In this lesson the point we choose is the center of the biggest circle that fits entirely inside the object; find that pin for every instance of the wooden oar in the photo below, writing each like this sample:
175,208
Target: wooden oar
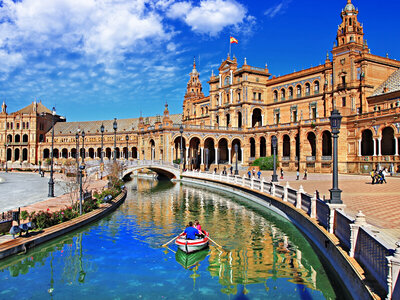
171,240
215,243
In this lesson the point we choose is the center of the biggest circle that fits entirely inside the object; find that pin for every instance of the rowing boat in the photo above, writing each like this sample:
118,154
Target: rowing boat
189,246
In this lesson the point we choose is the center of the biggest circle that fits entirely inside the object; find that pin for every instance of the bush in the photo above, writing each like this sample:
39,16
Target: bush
177,161
265,163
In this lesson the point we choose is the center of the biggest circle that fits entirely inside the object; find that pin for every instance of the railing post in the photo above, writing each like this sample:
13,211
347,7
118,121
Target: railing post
332,211
286,191
359,221
252,183
393,274
243,180
262,185
313,211
236,177
298,197
272,188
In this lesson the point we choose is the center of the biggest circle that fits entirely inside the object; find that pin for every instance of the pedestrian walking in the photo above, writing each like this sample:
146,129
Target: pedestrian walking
249,174
231,169
305,174
281,173
259,174
254,172
297,175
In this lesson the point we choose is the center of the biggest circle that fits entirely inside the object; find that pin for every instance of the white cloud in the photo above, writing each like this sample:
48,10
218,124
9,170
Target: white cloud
277,9
100,28
211,16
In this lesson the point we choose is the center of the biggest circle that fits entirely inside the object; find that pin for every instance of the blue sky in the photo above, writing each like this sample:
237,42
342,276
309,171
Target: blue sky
100,59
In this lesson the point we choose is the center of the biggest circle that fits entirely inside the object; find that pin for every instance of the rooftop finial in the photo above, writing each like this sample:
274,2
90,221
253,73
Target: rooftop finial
194,62
245,61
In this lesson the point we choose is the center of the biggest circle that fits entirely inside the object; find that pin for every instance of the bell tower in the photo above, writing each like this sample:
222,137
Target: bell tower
4,108
194,88
350,33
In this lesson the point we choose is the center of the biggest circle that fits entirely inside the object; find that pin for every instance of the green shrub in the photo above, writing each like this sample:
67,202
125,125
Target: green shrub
265,163
177,161
24,215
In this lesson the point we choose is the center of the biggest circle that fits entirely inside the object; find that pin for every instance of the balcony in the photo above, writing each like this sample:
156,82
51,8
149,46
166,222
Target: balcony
285,158
310,158
326,158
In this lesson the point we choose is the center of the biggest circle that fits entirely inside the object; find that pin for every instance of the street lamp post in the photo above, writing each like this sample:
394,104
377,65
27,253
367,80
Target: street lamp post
181,131
206,159
77,155
83,147
102,136
51,182
6,145
115,126
335,192
81,168
127,149
236,167
274,176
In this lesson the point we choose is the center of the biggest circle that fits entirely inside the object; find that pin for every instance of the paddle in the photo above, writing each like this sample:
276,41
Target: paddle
215,243
171,240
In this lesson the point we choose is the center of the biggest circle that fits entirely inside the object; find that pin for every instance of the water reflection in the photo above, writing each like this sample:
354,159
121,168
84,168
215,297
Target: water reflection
258,245
263,255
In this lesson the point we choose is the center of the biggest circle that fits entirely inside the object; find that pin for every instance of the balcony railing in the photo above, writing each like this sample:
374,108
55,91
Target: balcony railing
310,158
326,157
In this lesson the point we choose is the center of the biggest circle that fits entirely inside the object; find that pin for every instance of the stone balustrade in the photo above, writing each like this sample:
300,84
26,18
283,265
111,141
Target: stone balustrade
376,257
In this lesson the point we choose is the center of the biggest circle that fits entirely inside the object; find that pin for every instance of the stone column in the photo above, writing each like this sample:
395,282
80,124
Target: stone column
230,155
374,141
216,155
202,156
242,160
298,199
257,146
396,146
359,147
379,146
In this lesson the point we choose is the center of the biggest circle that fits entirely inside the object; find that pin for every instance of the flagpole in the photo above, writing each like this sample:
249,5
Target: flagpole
230,47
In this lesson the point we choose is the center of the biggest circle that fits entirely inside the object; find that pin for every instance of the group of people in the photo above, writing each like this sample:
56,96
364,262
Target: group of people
378,176
194,231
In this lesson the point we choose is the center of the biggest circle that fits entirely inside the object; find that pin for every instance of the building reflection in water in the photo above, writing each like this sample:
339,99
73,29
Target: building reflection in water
257,244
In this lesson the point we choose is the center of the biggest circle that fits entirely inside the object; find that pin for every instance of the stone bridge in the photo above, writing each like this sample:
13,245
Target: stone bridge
163,168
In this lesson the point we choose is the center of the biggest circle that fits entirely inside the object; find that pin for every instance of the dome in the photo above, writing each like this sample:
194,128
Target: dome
349,7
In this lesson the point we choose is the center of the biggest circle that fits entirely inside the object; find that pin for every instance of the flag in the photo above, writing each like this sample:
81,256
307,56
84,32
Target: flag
233,40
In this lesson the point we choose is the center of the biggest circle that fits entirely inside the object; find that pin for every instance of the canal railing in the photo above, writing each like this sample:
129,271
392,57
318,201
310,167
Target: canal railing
355,235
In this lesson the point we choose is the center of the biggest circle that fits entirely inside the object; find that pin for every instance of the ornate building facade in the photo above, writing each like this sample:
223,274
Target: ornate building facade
245,108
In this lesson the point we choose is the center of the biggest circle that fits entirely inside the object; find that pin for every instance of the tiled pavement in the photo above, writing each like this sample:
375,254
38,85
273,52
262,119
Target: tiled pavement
379,202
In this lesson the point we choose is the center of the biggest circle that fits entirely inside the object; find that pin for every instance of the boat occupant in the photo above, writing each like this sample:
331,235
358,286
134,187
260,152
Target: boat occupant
198,227
191,232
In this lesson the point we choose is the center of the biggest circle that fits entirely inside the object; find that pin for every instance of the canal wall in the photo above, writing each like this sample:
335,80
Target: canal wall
23,243
337,237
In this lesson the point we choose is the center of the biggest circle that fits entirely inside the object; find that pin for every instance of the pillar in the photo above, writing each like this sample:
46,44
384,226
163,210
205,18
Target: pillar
230,155
396,146
202,155
374,140
257,145
379,146
359,147
216,155
241,149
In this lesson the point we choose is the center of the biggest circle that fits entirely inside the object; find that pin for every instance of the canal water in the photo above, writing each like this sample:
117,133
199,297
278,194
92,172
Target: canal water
120,257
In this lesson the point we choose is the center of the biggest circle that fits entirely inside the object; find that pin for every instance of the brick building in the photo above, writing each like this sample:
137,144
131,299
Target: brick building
247,107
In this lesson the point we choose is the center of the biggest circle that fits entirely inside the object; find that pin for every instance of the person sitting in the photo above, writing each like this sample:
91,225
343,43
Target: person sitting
198,227
191,232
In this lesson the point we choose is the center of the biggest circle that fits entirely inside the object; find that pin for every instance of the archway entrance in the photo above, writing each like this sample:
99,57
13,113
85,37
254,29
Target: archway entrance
256,119
194,153
209,152
367,143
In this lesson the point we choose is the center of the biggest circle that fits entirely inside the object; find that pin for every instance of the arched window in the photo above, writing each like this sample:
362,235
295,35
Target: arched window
275,95
308,88
283,94
316,87
290,93
227,80
25,138
298,91
17,138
